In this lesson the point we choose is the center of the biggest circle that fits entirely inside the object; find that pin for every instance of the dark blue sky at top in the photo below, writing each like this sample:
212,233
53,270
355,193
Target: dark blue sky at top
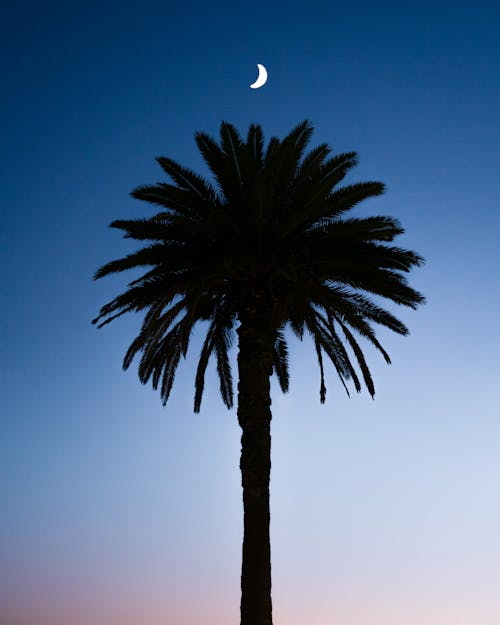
92,93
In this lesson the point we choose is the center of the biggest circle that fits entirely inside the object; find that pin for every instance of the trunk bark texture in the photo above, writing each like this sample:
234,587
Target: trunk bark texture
255,363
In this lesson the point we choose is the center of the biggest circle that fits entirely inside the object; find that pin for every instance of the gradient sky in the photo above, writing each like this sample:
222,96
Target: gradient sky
116,511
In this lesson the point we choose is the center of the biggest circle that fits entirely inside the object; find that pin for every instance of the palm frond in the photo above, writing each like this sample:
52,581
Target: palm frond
280,362
222,344
146,256
206,351
255,145
233,147
152,330
361,360
187,179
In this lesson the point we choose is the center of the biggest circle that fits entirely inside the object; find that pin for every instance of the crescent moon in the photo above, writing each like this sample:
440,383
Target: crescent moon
261,78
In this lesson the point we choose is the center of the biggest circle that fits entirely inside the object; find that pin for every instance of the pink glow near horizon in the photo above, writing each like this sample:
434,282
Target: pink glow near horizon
164,602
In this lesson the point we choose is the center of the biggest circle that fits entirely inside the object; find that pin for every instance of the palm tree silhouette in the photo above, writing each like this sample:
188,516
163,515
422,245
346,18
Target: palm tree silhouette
267,247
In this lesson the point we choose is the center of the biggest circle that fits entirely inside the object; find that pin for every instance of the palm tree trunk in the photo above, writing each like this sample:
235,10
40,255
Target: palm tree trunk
254,415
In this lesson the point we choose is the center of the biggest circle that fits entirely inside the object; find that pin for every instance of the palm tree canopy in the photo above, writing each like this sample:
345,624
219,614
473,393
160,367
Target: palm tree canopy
274,221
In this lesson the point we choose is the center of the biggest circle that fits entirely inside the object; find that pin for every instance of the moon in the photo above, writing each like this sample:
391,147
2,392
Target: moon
261,78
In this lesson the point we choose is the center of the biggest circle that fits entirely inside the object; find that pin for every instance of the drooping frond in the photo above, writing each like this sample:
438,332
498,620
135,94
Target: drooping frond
280,364
326,341
335,339
153,328
222,345
202,366
361,360
322,387
219,340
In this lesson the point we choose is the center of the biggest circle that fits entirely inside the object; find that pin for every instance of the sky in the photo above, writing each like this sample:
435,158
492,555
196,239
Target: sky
117,511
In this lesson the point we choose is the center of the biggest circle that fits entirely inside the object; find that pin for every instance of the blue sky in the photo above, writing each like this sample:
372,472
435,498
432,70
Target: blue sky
116,510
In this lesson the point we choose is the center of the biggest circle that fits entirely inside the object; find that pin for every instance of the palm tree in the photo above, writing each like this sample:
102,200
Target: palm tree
266,247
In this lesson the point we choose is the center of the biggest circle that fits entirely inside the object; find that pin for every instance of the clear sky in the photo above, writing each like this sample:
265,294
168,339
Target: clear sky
116,511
